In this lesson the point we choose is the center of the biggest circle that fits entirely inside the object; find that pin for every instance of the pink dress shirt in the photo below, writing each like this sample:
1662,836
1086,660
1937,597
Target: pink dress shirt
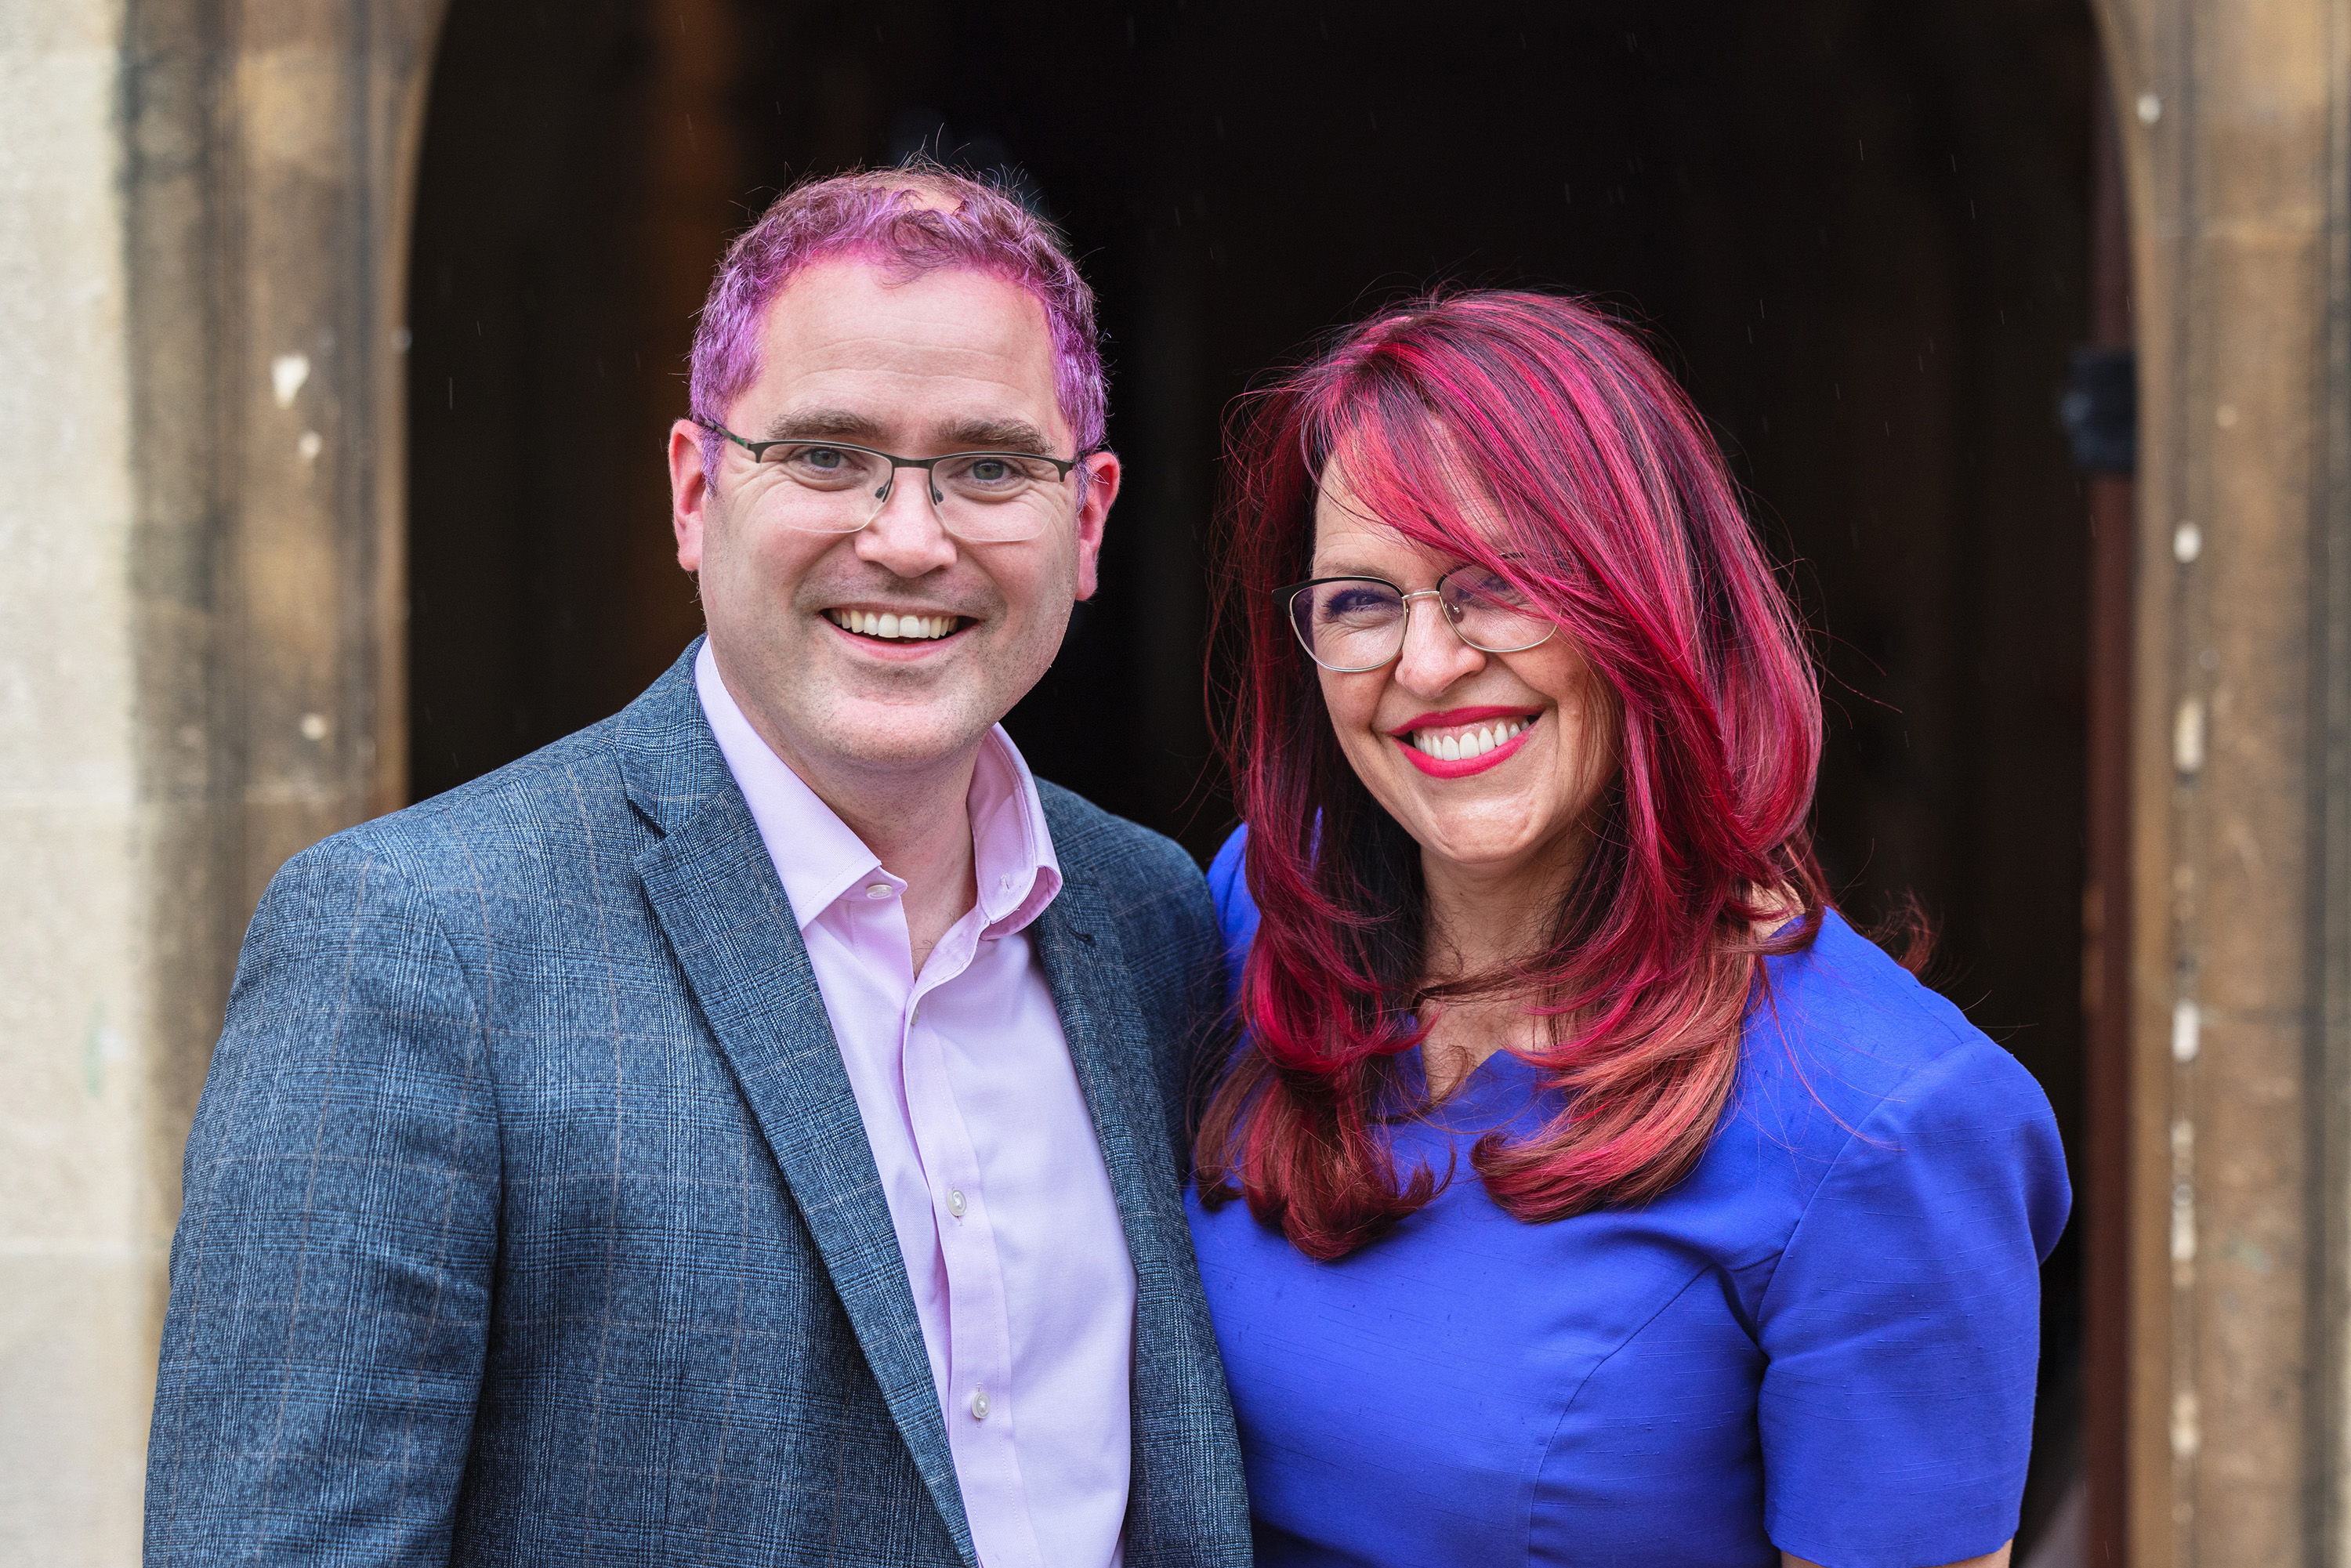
995,1185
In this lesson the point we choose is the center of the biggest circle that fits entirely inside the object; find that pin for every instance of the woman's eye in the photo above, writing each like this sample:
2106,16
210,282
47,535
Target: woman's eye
1351,602
1485,590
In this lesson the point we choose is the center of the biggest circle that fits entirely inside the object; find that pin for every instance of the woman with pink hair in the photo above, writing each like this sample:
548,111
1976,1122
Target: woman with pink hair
1582,1188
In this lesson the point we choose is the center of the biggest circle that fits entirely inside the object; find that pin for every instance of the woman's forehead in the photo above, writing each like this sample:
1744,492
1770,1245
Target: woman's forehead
1349,521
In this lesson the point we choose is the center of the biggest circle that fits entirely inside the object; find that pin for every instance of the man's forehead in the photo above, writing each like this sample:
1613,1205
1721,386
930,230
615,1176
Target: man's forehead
851,351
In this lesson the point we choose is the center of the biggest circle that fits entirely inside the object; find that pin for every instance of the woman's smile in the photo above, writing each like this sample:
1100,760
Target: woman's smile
1456,744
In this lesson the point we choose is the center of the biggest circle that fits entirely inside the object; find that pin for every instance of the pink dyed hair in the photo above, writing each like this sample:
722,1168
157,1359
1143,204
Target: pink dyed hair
871,215
1614,512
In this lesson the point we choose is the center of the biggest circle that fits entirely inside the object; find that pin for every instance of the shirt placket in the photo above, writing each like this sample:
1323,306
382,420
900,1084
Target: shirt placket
978,1397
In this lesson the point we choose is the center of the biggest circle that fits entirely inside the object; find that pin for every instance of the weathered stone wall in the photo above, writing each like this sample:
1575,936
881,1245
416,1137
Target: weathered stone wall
203,254
82,1228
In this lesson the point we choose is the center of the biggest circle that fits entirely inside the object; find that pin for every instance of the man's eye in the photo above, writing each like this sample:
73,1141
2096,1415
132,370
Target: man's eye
991,471
821,459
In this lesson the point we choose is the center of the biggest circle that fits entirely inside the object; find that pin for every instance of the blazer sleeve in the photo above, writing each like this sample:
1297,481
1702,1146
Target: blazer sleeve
331,1276
1902,1324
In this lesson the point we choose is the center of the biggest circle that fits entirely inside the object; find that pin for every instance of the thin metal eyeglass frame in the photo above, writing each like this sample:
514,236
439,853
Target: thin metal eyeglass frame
759,449
1289,597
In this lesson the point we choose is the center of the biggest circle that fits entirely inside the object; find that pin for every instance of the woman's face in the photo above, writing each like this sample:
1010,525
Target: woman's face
1523,807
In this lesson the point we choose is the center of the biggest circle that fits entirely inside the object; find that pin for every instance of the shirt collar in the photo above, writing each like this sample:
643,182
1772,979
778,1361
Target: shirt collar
1012,859
1012,848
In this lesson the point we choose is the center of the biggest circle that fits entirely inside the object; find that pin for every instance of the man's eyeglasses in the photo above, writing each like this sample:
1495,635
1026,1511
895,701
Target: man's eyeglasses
981,498
1350,624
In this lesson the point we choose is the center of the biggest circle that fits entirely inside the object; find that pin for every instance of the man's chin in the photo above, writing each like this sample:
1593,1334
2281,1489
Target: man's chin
895,737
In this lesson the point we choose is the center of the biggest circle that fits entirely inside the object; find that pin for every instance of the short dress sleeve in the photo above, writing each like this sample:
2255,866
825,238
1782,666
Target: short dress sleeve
1901,1324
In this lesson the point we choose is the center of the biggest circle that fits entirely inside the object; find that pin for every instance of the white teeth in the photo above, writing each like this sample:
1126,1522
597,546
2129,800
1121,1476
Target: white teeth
901,628
1475,743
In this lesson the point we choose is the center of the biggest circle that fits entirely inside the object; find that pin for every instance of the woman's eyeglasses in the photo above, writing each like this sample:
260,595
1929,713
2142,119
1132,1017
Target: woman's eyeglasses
1350,624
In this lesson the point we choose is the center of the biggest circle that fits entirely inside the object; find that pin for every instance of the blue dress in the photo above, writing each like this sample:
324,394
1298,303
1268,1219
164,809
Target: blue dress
1823,1341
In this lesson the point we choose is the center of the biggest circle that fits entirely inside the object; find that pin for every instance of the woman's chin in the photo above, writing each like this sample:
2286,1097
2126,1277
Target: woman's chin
1479,845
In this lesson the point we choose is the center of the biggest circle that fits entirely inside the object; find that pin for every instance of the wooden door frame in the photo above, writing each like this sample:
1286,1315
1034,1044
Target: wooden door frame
2230,118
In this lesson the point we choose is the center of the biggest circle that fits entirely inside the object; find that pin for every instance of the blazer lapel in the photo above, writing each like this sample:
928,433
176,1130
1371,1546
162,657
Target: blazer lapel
716,897
1078,944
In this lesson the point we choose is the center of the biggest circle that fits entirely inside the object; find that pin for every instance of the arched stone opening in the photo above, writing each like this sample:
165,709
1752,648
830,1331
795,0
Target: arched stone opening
1864,236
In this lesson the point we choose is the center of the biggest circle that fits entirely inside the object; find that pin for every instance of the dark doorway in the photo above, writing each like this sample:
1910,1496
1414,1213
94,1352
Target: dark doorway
1859,229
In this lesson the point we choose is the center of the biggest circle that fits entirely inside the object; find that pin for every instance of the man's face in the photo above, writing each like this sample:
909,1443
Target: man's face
953,361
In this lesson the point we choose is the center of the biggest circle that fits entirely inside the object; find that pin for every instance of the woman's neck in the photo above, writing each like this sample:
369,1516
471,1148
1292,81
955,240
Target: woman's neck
1484,920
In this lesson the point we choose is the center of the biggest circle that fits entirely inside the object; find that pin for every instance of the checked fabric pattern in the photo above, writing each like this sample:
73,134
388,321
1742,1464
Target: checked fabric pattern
529,1218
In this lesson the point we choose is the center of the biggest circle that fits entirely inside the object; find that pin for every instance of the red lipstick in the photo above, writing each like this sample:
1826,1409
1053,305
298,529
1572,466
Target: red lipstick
1438,768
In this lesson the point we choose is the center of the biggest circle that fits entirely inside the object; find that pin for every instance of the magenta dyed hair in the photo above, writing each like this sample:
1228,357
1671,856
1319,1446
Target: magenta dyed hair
1612,511
875,215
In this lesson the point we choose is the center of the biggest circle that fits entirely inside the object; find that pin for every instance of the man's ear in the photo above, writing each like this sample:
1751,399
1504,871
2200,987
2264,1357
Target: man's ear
689,492
1102,489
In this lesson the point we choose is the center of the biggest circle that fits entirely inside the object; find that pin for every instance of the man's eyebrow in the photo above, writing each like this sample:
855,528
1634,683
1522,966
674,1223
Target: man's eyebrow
841,423
993,435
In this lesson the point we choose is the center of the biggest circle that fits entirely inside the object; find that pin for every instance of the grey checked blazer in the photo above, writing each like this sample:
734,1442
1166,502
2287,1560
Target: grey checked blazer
529,1218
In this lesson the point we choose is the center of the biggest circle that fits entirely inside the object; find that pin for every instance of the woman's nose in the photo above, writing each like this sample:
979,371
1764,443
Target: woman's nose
1434,658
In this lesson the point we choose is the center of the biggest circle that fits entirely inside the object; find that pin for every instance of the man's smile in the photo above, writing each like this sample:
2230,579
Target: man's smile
898,626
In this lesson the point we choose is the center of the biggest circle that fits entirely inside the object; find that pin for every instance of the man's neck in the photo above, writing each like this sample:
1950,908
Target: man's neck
917,822
922,834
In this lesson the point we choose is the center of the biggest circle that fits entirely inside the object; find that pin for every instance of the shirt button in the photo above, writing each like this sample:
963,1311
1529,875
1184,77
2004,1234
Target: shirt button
979,1404
878,890
955,1204
1006,884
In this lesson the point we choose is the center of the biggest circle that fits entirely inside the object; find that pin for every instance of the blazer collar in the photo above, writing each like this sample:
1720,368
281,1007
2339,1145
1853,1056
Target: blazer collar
716,896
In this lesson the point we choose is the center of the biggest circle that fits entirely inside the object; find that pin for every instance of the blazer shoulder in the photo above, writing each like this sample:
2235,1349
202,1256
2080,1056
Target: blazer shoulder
533,803
1094,846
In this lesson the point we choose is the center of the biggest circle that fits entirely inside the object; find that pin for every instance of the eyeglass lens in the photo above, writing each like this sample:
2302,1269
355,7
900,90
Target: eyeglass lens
1354,623
982,496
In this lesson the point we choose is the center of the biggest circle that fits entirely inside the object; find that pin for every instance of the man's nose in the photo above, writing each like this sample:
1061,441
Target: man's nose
905,537
1432,659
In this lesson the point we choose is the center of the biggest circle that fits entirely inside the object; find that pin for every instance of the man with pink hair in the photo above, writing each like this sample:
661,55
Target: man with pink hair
749,1130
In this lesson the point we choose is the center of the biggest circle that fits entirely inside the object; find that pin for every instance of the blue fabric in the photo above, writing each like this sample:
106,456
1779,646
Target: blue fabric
1824,1341
529,1218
